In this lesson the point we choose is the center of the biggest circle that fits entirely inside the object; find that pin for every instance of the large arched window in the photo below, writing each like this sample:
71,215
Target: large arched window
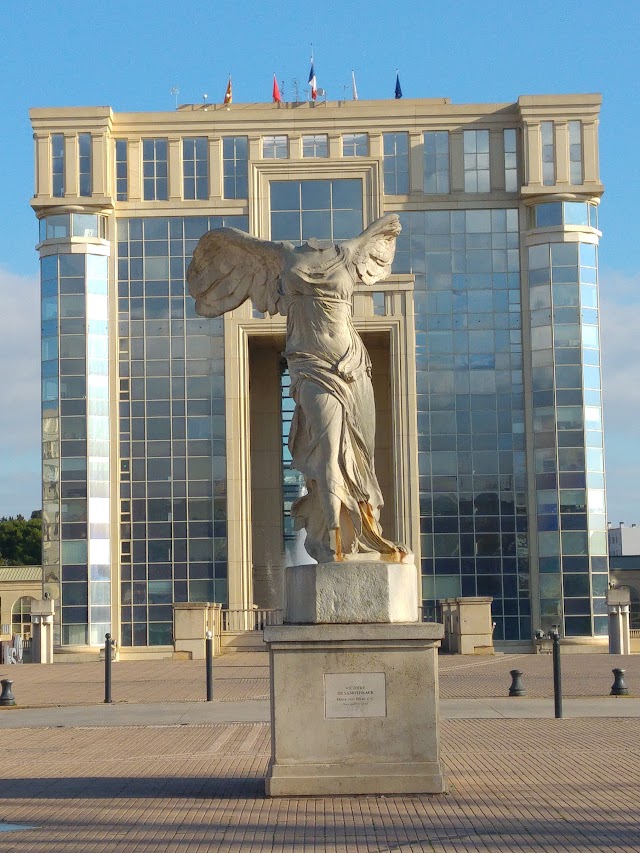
21,616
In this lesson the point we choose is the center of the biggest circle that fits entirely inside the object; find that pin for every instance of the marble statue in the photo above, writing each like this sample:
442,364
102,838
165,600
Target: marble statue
333,428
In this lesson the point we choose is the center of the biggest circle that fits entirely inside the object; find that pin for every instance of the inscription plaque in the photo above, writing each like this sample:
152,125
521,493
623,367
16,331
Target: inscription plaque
354,694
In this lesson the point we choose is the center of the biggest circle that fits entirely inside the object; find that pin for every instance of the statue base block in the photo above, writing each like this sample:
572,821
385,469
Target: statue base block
351,592
354,710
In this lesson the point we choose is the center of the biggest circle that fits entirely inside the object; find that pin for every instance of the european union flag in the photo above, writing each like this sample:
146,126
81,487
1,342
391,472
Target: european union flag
398,87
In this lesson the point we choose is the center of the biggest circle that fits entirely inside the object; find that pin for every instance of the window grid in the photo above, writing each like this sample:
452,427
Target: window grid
293,484
172,440
122,170
436,161
84,164
470,401
195,168
155,169
575,153
21,616
510,160
556,213
568,437
548,145
476,161
235,166
275,147
325,209
355,145
57,164
316,145
396,163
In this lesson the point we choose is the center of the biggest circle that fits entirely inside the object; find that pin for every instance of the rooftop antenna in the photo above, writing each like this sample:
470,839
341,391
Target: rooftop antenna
295,91
175,92
204,101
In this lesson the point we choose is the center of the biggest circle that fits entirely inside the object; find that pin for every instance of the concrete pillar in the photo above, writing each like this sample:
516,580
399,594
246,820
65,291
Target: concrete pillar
619,636
618,600
42,630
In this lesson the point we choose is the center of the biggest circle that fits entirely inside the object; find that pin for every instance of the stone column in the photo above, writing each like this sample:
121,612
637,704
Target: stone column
42,630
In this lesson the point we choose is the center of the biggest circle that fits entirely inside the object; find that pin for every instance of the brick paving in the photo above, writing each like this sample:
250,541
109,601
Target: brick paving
245,675
238,676
515,784
568,785
583,675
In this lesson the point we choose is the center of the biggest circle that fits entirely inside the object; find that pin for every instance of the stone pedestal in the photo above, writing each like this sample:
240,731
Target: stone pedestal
468,625
191,621
351,592
354,709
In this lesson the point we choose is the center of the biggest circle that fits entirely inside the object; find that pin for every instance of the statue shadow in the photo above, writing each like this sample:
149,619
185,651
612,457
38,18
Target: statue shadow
132,787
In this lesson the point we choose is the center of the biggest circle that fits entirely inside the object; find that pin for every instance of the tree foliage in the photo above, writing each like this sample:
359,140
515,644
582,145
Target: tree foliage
21,540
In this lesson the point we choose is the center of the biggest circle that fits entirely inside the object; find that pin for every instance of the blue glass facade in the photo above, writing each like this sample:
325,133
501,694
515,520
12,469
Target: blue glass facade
76,434
499,231
471,424
568,437
171,428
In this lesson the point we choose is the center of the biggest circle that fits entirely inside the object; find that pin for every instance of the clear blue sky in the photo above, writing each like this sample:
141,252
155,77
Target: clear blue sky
129,56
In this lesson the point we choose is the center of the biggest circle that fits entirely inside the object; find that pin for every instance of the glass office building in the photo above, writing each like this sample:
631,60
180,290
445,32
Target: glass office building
166,476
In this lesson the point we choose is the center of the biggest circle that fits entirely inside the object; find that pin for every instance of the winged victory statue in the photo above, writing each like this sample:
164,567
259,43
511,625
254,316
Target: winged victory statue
332,435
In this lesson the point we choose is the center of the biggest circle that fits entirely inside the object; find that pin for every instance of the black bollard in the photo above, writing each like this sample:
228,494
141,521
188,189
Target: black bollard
517,685
557,674
208,643
619,687
7,699
108,644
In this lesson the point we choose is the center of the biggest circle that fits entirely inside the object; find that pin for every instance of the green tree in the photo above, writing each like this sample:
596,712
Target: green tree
21,540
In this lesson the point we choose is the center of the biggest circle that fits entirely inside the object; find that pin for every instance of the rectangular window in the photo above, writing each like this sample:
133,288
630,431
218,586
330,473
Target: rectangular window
155,170
57,164
84,164
575,152
510,161
326,209
275,147
396,163
547,137
235,165
315,146
355,144
122,174
195,167
436,161
476,161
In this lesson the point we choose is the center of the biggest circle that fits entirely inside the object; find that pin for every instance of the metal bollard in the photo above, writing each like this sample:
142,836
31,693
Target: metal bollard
557,674
108,645
517,685
7,699
619,687
208,643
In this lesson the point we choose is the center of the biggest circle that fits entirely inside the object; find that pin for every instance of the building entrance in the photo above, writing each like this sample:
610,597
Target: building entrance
274,484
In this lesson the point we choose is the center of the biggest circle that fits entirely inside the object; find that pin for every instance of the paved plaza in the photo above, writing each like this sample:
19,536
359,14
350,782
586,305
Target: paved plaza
162,770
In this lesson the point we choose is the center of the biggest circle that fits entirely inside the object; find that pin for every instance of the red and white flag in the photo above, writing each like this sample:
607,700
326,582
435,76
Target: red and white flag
276,91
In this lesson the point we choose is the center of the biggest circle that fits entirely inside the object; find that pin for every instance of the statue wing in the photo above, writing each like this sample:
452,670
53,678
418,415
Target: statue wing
372,252
228,267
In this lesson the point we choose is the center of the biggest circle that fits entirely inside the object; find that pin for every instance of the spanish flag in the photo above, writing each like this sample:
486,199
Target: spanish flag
228,97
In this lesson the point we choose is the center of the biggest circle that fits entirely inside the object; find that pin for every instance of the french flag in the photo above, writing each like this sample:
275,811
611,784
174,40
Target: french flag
312,82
